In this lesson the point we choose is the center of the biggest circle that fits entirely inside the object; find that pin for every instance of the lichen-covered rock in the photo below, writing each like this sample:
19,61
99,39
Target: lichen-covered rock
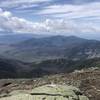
49,92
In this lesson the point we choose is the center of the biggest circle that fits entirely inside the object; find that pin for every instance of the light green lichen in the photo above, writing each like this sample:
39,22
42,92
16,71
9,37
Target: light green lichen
48,92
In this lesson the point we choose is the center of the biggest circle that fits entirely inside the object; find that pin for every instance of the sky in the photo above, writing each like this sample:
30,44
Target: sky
50,16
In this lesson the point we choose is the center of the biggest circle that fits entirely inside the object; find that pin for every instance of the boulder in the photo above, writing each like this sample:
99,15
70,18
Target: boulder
49,92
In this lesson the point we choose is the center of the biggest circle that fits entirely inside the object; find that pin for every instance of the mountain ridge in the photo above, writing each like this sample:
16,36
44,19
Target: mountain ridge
37,49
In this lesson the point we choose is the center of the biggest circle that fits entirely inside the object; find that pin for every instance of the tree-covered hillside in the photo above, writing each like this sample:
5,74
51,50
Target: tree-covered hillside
16,69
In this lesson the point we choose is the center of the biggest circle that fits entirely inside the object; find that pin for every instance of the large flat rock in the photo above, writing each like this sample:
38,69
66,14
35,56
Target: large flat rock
48,92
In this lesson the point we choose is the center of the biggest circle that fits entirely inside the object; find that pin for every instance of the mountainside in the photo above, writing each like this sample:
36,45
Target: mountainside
13,69
38,49
58,66
17,69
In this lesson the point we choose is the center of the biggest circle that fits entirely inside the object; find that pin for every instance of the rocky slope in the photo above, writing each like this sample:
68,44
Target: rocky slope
48,92
88,80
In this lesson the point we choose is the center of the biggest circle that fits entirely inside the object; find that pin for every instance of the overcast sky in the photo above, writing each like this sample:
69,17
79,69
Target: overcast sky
50,16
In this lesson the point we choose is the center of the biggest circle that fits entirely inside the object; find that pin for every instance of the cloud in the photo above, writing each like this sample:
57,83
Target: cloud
58,18
75,2
71,11
70,19
18,3
24,6
53,8
11,23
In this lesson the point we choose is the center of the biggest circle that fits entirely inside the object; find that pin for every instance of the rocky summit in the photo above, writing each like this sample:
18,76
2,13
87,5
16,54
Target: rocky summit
48,92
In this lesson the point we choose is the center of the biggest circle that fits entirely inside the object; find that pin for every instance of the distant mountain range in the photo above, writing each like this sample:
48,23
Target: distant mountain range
51,47
36,56
16,38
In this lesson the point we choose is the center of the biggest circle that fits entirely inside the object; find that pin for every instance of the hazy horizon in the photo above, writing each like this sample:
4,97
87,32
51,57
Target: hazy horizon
85,36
